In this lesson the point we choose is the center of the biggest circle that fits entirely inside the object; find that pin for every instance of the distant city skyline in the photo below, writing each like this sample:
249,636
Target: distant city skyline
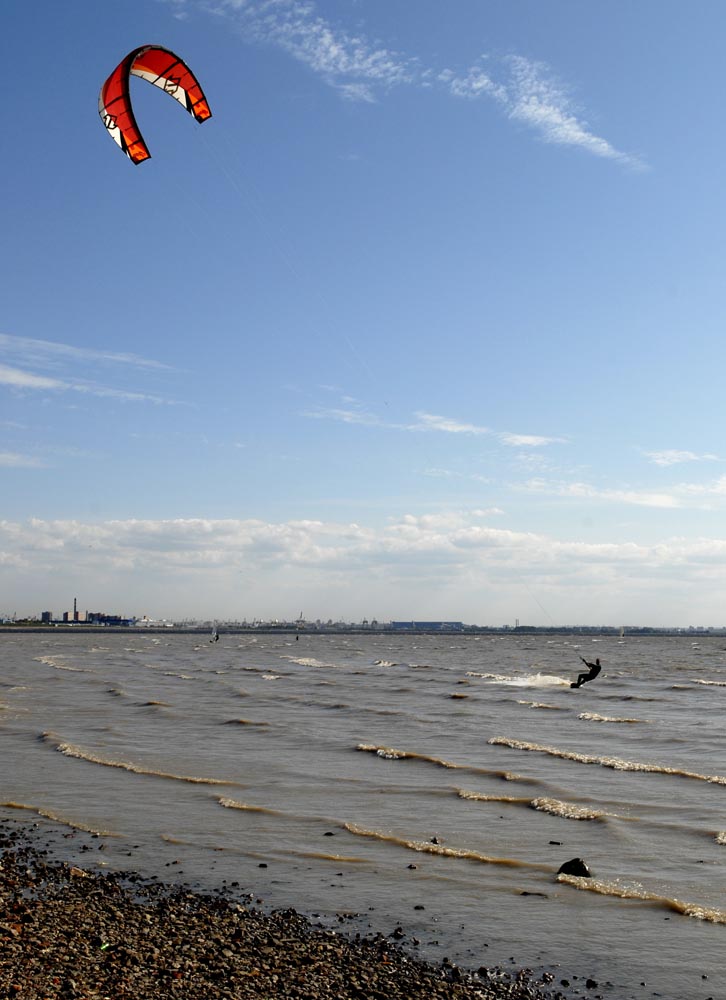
425,321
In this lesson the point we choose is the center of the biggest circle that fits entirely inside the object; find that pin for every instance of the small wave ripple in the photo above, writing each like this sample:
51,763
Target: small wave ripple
709,914
595,717
616,763
555,807
441,850
70,750
389,753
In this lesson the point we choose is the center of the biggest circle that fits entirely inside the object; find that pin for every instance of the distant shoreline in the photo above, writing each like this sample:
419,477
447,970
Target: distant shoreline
468,630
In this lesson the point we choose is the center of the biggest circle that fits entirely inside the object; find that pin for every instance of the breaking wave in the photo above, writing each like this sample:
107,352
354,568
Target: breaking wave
389,753
539,680
51,661
308,661
568,810
426,847
555,807
58,818
541,704
594,717
707,913
246,807
612,762
78,752
719,684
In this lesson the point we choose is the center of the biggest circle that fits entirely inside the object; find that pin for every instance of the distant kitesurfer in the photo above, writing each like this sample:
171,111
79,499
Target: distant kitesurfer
593,670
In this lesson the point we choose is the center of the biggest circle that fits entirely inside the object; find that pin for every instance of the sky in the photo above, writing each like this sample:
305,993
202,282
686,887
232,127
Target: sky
426,322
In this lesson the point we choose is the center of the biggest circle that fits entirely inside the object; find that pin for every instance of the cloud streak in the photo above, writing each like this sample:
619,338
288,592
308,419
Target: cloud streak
525,90
19,379
31,351
11,460
51,367
703,496
670,456
424,422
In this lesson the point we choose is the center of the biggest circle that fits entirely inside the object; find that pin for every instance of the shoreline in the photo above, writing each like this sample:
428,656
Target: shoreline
76,934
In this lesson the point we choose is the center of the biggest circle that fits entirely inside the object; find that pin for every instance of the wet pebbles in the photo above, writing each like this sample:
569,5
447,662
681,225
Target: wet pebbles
72,934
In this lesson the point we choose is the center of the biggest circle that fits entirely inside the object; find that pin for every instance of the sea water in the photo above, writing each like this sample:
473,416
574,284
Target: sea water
431,783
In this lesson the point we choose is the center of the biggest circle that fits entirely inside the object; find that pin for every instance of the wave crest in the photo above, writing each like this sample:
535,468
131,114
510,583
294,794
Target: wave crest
616,763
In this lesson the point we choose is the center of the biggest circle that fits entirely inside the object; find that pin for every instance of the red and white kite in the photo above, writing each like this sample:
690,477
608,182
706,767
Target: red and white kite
161,68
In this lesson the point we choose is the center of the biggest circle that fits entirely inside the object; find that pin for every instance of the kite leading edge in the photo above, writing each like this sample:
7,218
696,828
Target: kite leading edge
163,69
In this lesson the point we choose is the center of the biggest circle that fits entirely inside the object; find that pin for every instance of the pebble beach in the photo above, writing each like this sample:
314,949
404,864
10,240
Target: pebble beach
76,934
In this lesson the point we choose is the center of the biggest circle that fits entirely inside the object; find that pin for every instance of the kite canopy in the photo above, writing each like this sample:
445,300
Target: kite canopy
164,70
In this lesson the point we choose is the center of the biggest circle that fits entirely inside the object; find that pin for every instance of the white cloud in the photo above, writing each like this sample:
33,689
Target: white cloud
16,378
11,460
452,560
529,440
345,60
32,351
584,491
670,456
346,416
701,496
64,368
19,379
432,422
524,89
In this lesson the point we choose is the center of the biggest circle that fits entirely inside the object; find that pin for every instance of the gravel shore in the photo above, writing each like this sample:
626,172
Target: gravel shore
69,933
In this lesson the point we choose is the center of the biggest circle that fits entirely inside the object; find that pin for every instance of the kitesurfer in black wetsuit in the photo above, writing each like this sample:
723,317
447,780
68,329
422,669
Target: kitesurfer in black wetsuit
593,671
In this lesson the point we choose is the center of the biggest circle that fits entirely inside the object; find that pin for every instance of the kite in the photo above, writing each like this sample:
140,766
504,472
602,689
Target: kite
161,68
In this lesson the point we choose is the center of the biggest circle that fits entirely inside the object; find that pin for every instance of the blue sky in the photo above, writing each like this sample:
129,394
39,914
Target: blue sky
426,321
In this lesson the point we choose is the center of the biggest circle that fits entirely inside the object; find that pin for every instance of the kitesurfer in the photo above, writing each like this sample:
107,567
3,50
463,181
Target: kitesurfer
593,670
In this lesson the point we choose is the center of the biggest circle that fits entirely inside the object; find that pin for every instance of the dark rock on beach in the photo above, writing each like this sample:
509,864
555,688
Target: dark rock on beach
576,866
72,934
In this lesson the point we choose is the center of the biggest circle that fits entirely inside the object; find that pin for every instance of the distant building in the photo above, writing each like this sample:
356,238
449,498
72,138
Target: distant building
46,617
429,626
101,618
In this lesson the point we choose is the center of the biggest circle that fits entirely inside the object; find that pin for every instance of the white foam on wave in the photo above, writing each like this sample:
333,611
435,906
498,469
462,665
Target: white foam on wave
720,684
51,661
540,704
595,717
538,680
621,890
308,661
568,810
616,763
555,807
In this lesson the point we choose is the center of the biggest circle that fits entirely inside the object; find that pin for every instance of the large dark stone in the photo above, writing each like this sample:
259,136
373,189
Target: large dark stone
575,866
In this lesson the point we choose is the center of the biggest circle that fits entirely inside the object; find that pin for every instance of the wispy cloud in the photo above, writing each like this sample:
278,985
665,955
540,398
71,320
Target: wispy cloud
32,351
526,90
670,456
19,379
48,366
11,460
585,491
345,60
701,496
432,422
424,422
